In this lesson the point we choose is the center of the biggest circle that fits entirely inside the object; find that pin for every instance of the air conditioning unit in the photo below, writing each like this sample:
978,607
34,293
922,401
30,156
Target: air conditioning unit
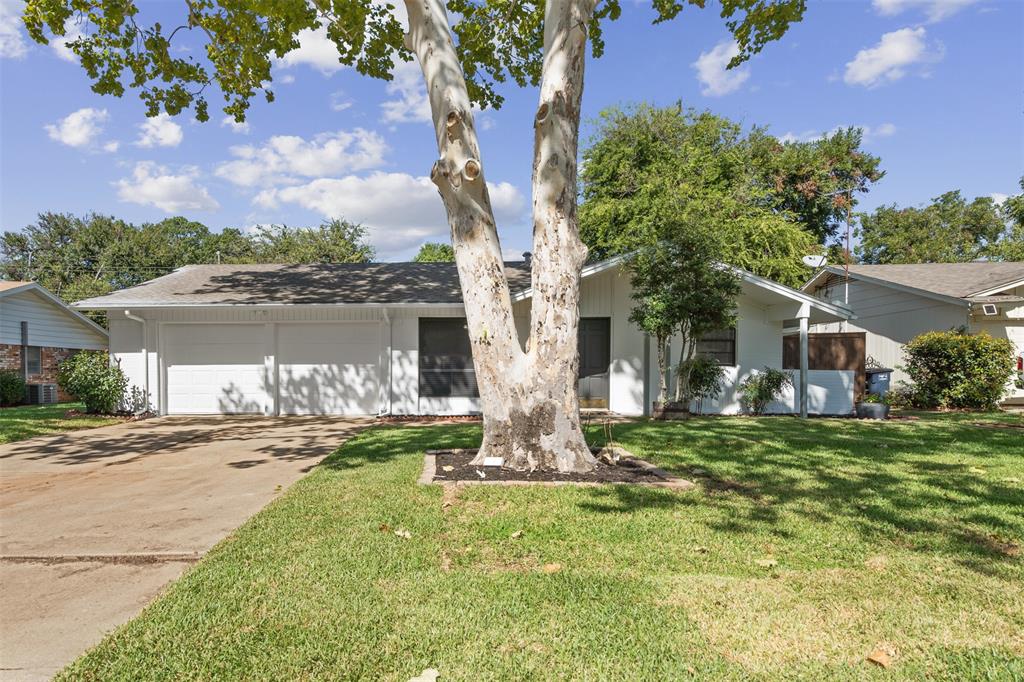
42,394
990,309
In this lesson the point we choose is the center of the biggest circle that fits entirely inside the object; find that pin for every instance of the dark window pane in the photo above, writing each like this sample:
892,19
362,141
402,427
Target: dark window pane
720,345
35,361
446,359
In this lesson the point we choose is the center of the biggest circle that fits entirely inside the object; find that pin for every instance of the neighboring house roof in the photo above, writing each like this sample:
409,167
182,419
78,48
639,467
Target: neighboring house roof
964,281
11,287
355,284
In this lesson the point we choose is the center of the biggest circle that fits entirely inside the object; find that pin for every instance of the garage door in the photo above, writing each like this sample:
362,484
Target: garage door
215,368
328,368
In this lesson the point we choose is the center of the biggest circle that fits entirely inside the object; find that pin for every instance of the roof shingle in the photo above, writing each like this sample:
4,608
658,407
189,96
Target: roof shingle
959,280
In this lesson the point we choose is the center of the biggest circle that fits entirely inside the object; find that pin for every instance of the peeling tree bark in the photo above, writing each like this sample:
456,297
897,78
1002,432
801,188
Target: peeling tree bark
529,399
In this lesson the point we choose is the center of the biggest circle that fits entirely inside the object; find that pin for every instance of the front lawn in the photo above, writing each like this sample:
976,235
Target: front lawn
809,546
28,421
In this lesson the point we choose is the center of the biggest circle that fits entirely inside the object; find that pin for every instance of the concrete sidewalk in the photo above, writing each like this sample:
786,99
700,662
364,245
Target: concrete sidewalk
94,524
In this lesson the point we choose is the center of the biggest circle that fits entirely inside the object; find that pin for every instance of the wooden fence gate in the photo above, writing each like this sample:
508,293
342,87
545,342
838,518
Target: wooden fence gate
839,350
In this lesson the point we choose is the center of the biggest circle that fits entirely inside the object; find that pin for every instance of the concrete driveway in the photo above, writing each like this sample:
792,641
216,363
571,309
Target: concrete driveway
94,524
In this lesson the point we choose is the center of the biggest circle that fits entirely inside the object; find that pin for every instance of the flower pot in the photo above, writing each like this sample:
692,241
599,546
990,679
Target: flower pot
670,411
872,411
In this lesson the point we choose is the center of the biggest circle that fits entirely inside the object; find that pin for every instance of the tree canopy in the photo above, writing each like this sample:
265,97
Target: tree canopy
79,257
770,200
495,41
435,252
951,229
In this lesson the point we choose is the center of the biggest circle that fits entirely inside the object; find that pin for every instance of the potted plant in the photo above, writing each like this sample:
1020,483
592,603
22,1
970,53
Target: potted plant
873,406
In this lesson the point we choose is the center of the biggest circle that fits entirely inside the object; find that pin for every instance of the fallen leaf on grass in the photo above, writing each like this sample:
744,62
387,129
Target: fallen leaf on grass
516,535
428,675
552,568
882,655
700,549
766,563
403,533
384,528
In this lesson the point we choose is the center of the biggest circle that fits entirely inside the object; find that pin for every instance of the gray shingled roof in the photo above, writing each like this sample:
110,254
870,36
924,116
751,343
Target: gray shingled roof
959,280
385,283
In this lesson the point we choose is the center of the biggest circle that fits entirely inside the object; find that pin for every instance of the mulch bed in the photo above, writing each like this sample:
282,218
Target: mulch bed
453,466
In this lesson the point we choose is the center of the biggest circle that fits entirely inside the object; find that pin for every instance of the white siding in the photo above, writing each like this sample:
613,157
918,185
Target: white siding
49,324
891,318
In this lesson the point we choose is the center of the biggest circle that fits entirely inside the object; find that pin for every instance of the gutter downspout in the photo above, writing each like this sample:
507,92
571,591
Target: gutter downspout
145,354
387,407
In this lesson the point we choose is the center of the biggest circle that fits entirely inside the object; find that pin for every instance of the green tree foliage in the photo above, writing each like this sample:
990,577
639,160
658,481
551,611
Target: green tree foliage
1010,245
679,288
761,388
745,187
949,230
496,40
434,252
955,369
81,257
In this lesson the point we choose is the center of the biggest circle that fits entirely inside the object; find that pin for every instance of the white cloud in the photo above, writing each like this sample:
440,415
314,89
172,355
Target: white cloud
339,102
154,185
59,44
715,79
286,159
399,210
889,60
12,41
236,127
935,10
111,146
412,103
79,128
315,50
159,131
999,197
868,132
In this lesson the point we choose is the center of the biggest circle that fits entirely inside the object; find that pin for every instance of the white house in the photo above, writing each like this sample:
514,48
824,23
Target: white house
895,303
390,339
37,332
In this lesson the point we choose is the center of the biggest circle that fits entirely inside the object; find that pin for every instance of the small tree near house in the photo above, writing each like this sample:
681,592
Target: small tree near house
465,48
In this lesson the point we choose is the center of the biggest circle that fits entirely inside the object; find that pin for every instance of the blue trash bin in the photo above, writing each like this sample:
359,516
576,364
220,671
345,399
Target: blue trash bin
878,380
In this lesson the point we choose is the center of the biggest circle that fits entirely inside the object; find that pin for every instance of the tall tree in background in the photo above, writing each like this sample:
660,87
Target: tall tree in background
1010,245
432,252
729,181
949,230
528,398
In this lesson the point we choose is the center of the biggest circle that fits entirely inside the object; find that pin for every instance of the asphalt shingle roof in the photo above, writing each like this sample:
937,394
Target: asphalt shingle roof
384,283
959,280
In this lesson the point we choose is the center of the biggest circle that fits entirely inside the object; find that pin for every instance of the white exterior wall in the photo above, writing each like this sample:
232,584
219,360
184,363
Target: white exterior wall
891,318
607,294
49,325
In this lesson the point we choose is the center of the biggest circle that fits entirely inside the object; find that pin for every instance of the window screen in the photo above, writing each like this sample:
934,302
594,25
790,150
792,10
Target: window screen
446,361
720,345
34,360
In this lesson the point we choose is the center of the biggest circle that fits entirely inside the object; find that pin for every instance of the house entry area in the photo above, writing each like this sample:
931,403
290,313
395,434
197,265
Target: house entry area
595,360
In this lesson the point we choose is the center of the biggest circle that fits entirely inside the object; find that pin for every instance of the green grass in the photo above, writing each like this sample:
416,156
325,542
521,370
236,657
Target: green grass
28,421
901,534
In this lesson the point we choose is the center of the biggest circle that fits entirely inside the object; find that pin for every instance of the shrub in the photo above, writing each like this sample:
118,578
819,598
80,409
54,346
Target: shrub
89,376
12,388
955,369
705,381
757,390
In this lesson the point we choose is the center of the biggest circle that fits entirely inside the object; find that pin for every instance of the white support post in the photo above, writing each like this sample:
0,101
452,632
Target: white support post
803,315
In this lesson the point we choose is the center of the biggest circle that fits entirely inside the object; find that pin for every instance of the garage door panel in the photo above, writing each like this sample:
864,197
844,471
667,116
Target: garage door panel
328,368
215,369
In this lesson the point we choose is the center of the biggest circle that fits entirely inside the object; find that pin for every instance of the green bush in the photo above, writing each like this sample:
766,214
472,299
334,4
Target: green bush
89,376
955,369
706,377
757,390
12,388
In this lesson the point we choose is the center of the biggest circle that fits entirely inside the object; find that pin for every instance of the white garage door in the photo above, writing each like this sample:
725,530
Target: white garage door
328,368
215,368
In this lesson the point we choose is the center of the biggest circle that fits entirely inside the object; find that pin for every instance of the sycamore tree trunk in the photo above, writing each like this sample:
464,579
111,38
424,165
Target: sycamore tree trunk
529,398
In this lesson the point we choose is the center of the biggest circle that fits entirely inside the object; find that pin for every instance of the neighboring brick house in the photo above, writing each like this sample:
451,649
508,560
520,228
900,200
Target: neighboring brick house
38,331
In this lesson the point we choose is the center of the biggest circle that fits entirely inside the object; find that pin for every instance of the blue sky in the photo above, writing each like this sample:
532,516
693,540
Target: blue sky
937,84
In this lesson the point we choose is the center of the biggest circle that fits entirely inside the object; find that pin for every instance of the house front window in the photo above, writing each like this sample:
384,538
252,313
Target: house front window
34,360
446,360
720,345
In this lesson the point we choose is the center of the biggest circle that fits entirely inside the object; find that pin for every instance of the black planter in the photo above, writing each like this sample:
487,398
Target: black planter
872,411
670,411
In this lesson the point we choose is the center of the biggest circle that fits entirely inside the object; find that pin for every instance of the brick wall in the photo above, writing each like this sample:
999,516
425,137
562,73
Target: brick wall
50,359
